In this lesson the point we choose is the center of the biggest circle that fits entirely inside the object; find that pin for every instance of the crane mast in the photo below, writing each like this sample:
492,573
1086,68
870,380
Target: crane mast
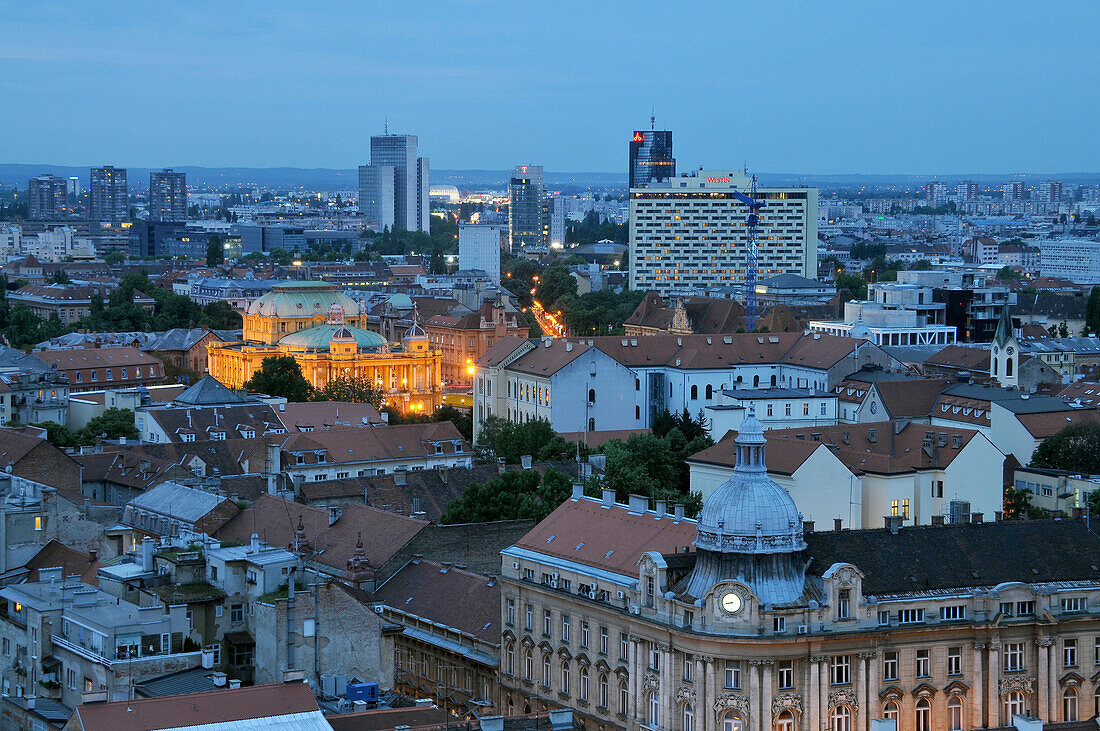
754,204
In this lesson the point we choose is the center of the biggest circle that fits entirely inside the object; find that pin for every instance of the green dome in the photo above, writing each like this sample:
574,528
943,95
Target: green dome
319,337
302,299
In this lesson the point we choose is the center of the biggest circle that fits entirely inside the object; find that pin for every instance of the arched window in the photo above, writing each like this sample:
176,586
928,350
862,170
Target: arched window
591,423
591,396
710,392
510,658
546,671
624,697
924,715
689,718
756,381
582,691
732,722
773,381
994,366
1069,705
841,718
694,392
891,710
637,384
603,691
1008,368
954,713
784,721
654,710
564,676
528,665
1014,705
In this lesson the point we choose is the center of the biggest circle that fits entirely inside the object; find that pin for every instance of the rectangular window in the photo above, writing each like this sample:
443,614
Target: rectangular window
883,617
905,508
1073,604
584,634
1096,651
954,661
603,640
1006,609
1023,609
785,674
841,670
910,616
654,656
953,612
844,597
529,618
890,665
1069,653
236,613
894,510
733,674
565,628
624,647
529,574
779,624
1014,656
689,673
924,664
547,622
511,616
806,408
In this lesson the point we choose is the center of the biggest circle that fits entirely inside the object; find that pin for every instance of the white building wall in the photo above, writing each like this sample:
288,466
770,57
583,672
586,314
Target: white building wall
479,248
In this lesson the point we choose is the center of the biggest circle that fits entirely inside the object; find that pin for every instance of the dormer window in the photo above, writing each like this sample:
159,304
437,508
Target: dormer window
843,603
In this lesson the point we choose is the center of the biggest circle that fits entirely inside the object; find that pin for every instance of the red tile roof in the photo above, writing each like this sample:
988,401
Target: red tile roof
460,599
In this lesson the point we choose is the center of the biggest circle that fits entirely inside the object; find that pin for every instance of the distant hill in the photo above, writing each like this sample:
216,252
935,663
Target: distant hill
333,179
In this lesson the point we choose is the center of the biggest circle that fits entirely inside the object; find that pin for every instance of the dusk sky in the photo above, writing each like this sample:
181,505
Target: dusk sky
791,87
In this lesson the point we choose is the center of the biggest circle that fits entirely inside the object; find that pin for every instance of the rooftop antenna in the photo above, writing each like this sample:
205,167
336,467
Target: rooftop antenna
652,119
387,125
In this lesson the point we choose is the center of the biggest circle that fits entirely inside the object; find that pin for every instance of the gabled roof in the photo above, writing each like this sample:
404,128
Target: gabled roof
178,501
460,599
208,391
1043,425
961,356
72,561
284,706
400,441
910,398
95,358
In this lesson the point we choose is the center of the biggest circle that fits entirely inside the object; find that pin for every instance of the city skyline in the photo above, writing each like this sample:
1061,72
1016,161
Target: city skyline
833,92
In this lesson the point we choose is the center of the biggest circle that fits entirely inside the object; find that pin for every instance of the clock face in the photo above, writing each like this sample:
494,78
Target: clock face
1010,350
731,602
874,406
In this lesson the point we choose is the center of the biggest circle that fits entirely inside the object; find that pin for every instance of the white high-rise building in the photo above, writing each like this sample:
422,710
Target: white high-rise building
479,248
394,186
557,221
1077,260
690,233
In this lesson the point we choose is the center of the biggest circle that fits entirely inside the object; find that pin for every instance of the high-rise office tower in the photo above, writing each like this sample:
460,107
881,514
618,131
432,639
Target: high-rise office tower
528,211
108,194
167,196
47,197
394,185
689,234
651,159
479,248
556,205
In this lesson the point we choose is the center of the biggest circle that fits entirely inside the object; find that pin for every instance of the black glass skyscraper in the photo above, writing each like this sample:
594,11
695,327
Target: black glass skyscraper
651,157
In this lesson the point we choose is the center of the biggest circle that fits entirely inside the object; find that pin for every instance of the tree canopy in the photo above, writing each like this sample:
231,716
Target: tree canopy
352,389
111,424
1076,448
280,376
515,495
507,440
1092,311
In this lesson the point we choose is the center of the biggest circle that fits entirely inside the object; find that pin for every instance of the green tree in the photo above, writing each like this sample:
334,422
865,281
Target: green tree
280,256
1092,311
351,389
61,277
555,283
215,251
437,264
653,466
114,258
922,265
220,315
1017,505
463,419
113,423
1007,272
58,434
854,283
280,376
515,495
502,439
1075,448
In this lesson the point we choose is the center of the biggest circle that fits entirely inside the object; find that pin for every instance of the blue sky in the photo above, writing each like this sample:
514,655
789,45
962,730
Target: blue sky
793,87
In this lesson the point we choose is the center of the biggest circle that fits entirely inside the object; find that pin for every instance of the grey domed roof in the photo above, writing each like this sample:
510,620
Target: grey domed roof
749,513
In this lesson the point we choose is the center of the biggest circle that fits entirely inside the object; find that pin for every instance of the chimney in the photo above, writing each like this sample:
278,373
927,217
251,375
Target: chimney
282,407
999,515
218,679
93,556
807,527
525,461
334,514
638,503
147,547
838,523
500,465
662,507
254,543
937,520
893,523
976,517
578,490
678,511
234,683
608,497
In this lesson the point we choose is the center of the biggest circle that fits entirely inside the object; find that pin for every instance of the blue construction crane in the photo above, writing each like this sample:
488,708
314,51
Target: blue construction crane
754,204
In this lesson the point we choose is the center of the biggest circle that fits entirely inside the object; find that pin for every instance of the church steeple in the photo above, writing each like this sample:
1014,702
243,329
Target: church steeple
1004,355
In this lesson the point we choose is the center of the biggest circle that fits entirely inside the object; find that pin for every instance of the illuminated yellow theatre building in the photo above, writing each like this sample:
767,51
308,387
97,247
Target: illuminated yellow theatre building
321,328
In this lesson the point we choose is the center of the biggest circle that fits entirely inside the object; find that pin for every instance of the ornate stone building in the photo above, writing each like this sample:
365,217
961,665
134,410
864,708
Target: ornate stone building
321,328
750,620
